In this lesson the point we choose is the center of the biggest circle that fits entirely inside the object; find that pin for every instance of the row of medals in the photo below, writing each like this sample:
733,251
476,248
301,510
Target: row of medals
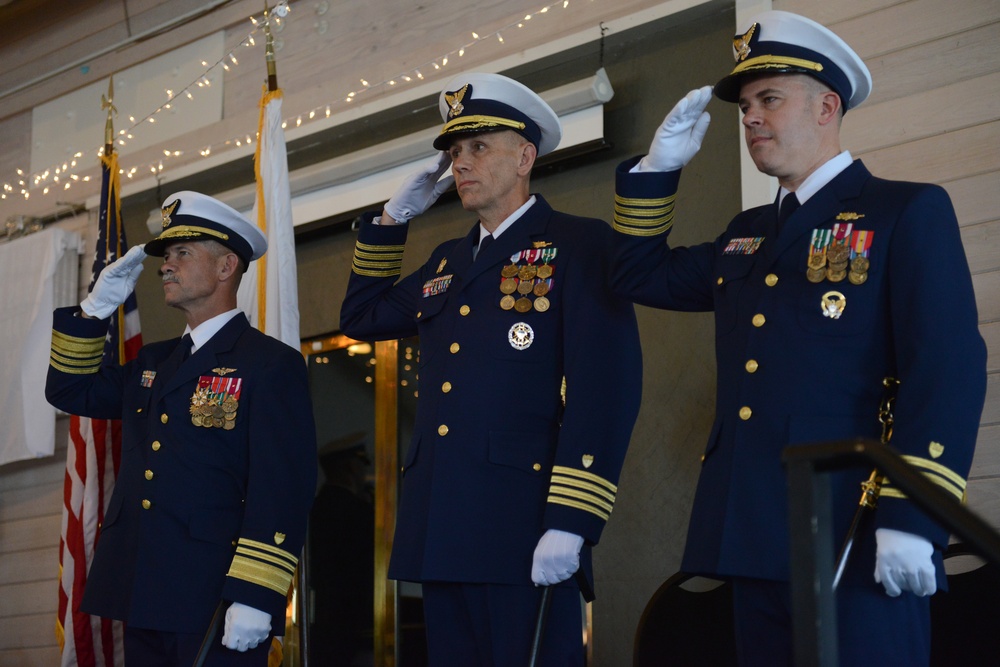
521,279
208,412
833,266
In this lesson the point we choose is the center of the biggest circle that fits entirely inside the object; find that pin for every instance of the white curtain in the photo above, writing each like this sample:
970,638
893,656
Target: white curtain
38,272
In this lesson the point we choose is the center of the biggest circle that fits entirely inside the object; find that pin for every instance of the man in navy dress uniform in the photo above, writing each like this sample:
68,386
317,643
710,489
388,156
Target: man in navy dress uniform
218,466
866,280
530,383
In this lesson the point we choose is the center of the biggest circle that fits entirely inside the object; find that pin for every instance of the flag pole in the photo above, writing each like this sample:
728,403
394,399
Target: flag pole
272,68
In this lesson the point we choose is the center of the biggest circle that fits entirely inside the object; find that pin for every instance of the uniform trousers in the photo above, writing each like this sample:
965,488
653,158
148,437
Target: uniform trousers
155,648
492,625
872,628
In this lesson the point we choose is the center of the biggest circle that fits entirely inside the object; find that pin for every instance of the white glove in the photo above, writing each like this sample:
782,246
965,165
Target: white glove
679,137
556,558
246,627
420,190
115,283
903,563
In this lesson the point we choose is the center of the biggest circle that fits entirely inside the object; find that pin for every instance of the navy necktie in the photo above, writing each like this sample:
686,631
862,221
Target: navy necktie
186,344
484,244
788,206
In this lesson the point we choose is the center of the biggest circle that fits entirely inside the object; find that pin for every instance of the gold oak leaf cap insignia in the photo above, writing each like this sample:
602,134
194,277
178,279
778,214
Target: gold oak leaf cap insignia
588,460
454,100
741,43
279,538
936,449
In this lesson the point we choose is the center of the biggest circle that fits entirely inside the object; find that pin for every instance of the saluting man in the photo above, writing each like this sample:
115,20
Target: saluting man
218,463
505,484
813,309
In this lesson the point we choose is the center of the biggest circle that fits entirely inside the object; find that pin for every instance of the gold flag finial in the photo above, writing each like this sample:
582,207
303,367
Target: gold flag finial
108,104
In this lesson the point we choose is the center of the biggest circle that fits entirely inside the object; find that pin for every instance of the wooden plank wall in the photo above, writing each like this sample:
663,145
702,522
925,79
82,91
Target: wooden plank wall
934,115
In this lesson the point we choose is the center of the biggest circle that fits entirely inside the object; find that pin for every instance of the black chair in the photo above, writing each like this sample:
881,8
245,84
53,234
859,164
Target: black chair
687,622
965,620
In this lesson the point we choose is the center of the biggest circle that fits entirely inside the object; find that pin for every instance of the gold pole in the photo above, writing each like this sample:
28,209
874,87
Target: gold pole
386,474
272,68
108,103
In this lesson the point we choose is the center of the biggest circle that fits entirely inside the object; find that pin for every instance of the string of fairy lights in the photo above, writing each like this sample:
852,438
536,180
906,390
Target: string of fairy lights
62,177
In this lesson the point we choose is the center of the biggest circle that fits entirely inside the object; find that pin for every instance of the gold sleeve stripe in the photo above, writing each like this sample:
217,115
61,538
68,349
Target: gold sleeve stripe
566,492
74,344
259,555
262,574
628,201
580,506
582,474
263,546
388,273
559,482
93,360
377,255
379,248
890,491
633,231
369,263
935,467
70,370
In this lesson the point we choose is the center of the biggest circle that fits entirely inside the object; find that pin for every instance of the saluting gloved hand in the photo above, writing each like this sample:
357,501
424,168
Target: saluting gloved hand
246,627
115,283
556,558
679,136
420,190
903,563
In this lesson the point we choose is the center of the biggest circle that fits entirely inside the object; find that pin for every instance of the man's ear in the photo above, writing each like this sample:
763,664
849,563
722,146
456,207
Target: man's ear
528,154
830,107
229,266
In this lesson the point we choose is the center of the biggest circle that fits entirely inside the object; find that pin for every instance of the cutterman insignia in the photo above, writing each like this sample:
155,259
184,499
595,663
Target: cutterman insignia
541,244
849,215
936,449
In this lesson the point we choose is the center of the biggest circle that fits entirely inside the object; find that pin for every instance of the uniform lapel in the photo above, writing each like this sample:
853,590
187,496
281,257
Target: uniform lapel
517,237
207,356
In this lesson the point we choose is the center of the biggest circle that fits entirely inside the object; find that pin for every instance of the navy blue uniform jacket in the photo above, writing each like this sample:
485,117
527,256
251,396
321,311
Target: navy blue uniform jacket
198,514
789,375
495,461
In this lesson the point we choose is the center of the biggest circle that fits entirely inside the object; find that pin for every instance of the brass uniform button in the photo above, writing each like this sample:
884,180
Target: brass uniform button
464,310
149,474
164,418
745,413
719,281
455,347
702,458
156,445
770,280
139,410
758,320
443,429
446,387
536,467
146,504
419,313
752,366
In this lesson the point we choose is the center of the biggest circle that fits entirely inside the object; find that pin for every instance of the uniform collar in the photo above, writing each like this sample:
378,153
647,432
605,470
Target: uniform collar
511,219
203,333
816,180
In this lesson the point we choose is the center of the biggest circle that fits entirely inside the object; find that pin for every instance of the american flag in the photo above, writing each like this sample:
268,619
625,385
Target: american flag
92,460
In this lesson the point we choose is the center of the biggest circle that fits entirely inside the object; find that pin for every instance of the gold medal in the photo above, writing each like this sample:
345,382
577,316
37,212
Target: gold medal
541,304
817,261
522,305
508,285
217,411
230,416
196,420
860,264
206,410
230,404
509,271
541,289
507,302
857,278
527,272
544,271
835,276
816,275
206,422
524,287
229,425
838,253
217,422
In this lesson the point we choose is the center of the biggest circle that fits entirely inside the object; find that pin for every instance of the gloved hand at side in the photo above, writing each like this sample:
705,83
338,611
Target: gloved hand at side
246,627
903,563
557,557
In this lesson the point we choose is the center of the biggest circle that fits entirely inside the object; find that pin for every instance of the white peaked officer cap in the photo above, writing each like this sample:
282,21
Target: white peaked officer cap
480,102
778,42
192,216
